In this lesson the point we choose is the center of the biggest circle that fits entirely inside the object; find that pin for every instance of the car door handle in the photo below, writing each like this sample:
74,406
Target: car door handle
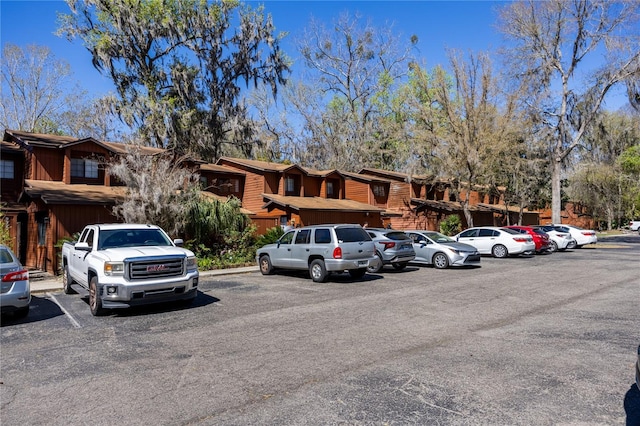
307,250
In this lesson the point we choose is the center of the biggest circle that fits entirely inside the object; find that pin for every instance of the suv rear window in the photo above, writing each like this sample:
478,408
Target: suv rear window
352,235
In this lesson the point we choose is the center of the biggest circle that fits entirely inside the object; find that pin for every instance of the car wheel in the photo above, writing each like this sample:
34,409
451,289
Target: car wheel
572,245
357,273
553,246
318,271
399,266
375,266
440,261
95,302
265,265
499,251
66,280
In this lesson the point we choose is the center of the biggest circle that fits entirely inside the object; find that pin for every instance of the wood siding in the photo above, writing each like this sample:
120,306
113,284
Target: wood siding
358,191
399,195
312,186
46,164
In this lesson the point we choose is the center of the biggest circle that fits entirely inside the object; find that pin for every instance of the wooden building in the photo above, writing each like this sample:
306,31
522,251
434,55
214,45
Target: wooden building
52,186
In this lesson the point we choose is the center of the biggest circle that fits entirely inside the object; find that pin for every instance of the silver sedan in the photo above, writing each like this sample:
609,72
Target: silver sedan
16,291
434,248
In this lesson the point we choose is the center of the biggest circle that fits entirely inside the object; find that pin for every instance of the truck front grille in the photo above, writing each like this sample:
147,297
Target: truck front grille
151,268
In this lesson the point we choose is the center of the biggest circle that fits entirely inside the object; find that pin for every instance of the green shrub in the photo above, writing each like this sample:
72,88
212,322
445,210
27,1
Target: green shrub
270,237
451,225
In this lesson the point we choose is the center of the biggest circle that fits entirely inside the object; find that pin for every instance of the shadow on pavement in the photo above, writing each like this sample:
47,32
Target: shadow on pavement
40,309
632,406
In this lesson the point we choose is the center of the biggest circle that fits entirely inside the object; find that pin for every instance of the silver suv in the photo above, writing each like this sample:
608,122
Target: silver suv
321,249
393,247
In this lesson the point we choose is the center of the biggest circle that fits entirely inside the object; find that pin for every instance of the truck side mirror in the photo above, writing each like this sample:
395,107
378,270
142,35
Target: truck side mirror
178,242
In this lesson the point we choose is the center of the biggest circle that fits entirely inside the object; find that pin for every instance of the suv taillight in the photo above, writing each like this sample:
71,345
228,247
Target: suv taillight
388,244
337,253
16,276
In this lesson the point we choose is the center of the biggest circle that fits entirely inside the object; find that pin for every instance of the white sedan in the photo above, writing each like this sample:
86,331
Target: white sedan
559,239
581,236
497,241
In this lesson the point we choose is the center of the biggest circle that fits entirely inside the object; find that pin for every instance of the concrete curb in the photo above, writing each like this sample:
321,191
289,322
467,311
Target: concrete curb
55,284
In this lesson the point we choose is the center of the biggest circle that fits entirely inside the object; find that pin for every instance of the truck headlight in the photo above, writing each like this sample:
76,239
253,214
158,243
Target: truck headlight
114,268
192,263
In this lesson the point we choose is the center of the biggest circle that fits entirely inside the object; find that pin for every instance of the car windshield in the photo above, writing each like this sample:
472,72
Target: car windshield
352,234
114,238
439,238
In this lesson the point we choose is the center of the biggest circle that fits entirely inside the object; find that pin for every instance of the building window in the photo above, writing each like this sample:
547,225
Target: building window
329,189
379,190
289,185
82,167
6,169
43,221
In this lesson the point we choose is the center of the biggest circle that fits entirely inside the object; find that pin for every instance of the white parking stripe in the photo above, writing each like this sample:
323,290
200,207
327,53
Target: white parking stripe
73,321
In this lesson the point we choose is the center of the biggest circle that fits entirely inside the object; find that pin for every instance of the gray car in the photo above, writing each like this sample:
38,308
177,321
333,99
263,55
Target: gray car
16,291
393,247
434,248
320,249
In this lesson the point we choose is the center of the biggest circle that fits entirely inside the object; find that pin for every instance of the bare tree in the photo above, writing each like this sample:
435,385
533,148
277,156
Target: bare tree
349,67
555,43
461,123
34,85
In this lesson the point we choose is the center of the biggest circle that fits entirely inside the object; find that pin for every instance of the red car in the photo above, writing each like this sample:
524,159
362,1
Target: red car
540,238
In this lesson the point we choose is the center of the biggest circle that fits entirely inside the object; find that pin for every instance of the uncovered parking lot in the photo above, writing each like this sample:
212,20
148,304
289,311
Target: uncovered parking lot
535,340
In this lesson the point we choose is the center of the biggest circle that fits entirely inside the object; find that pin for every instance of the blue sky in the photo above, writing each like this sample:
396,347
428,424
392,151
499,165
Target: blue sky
465,25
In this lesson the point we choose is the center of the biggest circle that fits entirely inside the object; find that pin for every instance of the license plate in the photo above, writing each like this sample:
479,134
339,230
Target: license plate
363,262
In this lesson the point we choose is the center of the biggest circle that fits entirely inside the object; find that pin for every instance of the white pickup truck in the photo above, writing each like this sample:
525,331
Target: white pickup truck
123,265
634,225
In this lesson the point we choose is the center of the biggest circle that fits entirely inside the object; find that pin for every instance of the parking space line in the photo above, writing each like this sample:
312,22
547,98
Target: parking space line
73,321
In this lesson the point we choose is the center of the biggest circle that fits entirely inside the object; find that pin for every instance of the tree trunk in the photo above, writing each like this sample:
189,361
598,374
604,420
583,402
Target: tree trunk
556,193
467,213
610,215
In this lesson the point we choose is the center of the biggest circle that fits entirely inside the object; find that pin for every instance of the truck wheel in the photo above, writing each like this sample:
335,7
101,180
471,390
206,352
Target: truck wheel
318,271
95,302
66,280
266,268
